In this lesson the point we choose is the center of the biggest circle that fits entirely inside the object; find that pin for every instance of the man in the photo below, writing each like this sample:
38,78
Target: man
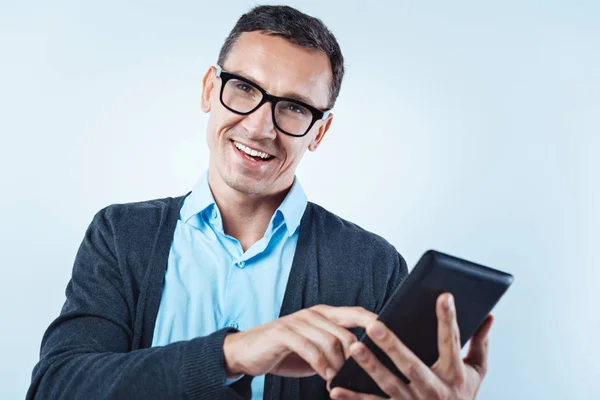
242,288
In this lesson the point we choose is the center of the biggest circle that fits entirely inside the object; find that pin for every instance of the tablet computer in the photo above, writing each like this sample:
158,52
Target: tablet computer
410,312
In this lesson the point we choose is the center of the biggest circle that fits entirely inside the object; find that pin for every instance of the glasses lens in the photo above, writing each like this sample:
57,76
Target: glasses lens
293,118
241,96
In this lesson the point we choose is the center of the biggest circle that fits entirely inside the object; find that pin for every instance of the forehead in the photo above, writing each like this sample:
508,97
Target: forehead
280,67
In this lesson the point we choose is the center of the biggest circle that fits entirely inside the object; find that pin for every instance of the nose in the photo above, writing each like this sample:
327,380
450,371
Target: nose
259,124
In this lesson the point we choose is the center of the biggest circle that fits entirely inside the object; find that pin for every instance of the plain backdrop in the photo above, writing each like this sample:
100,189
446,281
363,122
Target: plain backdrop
466,126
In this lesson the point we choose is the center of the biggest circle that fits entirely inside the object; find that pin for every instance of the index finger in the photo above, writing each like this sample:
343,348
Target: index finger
348,317
449,348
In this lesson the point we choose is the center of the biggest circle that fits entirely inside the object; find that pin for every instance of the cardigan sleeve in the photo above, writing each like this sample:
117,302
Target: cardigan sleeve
86,352
396,275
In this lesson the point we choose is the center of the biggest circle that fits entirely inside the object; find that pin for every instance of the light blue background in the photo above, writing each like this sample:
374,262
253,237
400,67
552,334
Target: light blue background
471,127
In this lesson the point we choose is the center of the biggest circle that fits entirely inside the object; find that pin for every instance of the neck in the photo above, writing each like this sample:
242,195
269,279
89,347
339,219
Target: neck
245,216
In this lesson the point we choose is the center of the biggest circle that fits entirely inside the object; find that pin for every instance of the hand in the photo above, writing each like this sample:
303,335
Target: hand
449,378
308,342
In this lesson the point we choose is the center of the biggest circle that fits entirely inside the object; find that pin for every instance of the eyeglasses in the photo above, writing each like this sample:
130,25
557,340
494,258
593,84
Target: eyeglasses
242,96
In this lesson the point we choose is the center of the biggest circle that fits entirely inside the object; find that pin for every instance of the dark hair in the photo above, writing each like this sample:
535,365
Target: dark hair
297,28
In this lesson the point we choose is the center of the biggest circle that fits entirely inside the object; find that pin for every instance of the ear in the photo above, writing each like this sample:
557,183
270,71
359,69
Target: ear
314,144
208,86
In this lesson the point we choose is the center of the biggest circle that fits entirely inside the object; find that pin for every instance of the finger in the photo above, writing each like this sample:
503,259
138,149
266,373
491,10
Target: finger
389,383
306,349
345,337
477,357
424,383
451,367
348,317
328,344
340,393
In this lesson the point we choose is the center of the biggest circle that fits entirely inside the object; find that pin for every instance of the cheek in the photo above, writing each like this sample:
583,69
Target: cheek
295,149
219,123
211,131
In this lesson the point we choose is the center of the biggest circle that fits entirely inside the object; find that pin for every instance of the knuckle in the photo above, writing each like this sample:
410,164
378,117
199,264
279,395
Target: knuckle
279,328
306,344
391,347
391,388
436,395
448,340
348,338
322,309
284,320
317,308
414,372
358,310
320,361
308,313
457,380
332,344
452,338
369,367
388,388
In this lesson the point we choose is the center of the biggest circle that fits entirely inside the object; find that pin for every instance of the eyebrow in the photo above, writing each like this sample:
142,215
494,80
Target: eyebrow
287,95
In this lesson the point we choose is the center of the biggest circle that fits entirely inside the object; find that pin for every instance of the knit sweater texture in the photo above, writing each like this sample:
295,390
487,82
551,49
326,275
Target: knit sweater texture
99,347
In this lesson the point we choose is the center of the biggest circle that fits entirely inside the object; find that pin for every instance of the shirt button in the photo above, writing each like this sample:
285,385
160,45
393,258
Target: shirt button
234,325
241,264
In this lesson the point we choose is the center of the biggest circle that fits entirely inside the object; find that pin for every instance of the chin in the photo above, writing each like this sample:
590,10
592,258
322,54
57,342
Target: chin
246,185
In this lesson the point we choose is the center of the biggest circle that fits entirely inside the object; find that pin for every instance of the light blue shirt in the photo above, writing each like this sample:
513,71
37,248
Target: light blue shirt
211,283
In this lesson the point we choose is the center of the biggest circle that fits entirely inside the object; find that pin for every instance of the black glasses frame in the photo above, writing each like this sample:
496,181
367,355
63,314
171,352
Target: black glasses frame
267,97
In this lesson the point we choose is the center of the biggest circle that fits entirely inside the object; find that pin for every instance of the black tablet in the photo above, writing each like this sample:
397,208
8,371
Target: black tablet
411,312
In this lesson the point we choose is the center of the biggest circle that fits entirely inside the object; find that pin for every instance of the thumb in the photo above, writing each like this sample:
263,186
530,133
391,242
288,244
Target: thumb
477,356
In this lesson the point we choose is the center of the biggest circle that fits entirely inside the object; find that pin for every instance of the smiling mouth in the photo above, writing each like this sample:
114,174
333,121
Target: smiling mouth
252,153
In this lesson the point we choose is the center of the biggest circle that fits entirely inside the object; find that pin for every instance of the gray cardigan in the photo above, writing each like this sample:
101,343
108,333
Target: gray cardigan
99,346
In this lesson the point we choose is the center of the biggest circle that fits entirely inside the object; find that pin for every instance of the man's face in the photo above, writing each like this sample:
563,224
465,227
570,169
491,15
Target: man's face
282,69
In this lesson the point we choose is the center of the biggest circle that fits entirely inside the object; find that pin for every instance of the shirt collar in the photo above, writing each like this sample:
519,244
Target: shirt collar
201,199
293,206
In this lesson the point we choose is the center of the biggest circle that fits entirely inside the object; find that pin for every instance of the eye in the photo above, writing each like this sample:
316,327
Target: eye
244,87
295,109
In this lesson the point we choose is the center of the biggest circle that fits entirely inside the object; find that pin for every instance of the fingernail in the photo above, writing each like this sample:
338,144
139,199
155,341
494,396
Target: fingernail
450,303
378,331
329,374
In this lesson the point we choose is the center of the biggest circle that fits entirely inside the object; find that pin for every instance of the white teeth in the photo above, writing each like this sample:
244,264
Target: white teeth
251,152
